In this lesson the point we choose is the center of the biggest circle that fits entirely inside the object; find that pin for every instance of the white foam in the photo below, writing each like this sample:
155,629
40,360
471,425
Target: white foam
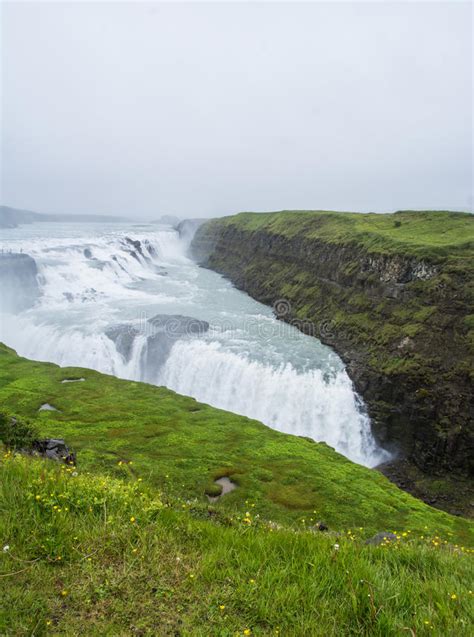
272,374
304,404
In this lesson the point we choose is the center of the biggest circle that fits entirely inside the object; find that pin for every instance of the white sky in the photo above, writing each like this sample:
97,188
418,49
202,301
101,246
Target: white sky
204,109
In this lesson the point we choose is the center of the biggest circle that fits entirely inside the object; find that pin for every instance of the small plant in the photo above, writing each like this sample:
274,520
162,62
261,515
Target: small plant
397,223
17,434
213,490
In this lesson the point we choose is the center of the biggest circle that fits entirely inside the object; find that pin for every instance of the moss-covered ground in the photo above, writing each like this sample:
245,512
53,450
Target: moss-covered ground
431,234
126,543
125,428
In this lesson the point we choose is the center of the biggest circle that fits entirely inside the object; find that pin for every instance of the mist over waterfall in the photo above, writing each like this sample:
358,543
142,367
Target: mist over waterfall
126,300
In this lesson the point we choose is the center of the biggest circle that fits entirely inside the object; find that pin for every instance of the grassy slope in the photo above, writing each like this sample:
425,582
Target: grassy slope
180,446
98,556
106,553
428,234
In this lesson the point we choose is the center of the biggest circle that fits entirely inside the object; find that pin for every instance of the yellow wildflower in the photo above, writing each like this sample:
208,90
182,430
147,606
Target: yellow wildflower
132,519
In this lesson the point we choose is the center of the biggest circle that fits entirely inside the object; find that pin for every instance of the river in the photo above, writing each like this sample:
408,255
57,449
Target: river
101,284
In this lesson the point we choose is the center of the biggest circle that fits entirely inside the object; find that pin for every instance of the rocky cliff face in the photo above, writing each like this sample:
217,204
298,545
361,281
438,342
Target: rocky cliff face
18,282
400,321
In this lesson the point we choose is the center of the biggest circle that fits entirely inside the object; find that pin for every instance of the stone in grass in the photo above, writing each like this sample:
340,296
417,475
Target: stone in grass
220,487
47,407
382,537
54,449
319,526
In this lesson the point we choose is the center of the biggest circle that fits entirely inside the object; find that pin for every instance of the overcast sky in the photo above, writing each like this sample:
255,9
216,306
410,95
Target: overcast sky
207,109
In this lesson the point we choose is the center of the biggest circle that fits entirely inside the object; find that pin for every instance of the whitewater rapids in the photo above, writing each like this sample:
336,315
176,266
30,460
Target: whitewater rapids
100,286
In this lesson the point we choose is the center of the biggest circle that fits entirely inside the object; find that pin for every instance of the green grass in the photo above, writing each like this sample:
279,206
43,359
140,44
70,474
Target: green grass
102,556
126,543
123,428
422,234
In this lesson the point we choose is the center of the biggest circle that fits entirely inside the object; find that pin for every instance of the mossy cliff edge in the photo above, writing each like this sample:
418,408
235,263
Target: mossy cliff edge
392,293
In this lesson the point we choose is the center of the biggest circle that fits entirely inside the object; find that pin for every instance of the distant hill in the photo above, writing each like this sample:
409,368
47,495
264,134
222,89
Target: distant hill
13,217
170,220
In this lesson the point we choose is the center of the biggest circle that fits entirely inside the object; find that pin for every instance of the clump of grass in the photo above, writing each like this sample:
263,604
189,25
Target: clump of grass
17,434
213,489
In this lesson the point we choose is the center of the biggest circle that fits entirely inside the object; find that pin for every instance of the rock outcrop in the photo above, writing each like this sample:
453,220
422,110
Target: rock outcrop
161,332
19,287
54,449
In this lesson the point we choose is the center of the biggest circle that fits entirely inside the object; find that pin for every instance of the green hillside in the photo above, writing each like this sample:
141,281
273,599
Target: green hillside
129,429
126,543
84,554
422,234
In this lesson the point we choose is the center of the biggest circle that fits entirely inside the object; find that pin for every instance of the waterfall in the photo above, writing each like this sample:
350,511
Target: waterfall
101,294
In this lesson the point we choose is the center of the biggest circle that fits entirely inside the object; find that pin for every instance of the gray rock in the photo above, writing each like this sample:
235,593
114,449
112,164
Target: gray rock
123,336
227,486
177,325
19,287
47,407
165,330
162,331
382,537
53,449
319,526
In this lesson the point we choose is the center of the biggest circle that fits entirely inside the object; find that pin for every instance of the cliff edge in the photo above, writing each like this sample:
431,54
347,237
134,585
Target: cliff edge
393,294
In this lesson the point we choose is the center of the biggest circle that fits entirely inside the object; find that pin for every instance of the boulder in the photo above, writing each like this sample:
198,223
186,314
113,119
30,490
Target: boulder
123,336
162,331
54,449
19,287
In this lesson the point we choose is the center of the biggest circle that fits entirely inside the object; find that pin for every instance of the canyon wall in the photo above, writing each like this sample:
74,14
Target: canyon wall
395,305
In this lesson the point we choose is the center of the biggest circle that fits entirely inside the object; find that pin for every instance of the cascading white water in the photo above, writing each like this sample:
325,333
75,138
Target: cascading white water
304,404
99,291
